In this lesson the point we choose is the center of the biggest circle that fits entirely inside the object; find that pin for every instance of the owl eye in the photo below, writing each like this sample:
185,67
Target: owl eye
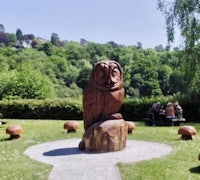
115,75
100,76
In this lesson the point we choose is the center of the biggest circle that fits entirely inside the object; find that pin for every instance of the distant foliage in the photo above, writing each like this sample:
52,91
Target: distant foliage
19,35
25,84
2,28
49,71
32,67
55,40
4,39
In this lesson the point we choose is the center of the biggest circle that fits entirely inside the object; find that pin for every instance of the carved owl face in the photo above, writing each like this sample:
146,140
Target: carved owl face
107,75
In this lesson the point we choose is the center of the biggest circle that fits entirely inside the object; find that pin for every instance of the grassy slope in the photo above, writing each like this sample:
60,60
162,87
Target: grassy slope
181,164
14,164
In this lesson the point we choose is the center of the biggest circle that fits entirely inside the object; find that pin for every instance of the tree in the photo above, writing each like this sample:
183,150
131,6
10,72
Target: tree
83,77
47,48
83,42
74,52
185,15
176,82
113,44
96,51
55,40
144,76
164,73
4,39
36,43
159,48
12,38
138,45
2,28
19,35
25,83
29,36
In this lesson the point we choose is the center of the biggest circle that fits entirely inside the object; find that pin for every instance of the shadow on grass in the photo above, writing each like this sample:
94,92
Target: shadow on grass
6,139
195,170
11,138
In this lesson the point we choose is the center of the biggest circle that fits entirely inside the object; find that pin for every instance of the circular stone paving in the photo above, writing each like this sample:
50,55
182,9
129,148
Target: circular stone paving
71,163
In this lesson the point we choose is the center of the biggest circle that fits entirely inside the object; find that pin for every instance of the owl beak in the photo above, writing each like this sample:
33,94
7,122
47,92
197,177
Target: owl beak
110,83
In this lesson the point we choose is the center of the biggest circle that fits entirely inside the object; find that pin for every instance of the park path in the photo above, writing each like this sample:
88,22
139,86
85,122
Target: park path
69,163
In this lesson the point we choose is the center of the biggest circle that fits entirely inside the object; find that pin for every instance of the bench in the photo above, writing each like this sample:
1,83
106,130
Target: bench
177,121
147,121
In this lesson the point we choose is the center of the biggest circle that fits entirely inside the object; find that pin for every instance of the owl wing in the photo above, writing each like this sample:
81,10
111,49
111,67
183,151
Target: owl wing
93,106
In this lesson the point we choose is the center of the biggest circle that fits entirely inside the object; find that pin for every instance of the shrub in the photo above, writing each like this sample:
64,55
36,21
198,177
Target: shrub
136,109
68,108
41,109
25,83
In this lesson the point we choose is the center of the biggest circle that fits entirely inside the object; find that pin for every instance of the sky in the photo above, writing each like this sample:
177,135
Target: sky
124,22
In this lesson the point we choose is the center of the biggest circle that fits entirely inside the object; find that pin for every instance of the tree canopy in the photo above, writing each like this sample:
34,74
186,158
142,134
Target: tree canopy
64,71
185,14
61,68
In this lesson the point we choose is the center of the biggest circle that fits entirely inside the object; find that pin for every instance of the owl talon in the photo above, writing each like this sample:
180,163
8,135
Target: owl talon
112,116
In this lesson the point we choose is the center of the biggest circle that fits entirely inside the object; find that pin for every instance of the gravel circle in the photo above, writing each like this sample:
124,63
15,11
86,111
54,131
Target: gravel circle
71,163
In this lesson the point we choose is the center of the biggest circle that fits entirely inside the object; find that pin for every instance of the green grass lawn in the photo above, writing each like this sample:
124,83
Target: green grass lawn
181,164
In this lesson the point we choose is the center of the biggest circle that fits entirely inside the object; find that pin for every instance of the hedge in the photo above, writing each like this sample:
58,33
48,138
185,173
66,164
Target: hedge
132,109
137,109
41,109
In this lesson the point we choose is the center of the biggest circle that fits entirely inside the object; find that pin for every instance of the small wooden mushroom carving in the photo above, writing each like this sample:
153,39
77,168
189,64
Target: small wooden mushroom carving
14,131
71,126
187,132
131,126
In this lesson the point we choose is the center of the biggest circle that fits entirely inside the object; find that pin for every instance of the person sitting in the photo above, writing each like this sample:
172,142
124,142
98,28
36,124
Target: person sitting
162,115
178,112
154,111
169,113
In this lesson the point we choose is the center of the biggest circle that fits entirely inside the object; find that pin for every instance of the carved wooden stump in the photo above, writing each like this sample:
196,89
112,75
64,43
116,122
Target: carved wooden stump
105,129
105,136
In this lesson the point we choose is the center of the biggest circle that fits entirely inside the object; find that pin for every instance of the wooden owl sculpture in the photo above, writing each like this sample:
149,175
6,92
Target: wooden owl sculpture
104,93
